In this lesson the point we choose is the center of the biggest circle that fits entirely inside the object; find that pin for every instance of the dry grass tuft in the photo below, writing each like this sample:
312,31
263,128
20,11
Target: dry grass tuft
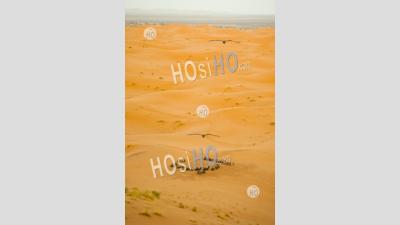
135,193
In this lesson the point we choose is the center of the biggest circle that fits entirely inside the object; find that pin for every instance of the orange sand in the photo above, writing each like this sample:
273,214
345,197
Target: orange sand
160,114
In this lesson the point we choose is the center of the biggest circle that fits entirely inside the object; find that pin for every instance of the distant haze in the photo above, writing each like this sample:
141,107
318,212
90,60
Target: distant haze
238,7
136,16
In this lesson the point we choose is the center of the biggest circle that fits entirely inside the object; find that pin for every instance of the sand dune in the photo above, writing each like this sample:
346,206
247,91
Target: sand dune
160,115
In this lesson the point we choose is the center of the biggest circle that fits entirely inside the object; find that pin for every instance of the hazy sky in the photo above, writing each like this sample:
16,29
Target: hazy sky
265,7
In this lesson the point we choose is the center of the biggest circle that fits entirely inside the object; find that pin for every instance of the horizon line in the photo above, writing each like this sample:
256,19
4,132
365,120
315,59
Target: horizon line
197,12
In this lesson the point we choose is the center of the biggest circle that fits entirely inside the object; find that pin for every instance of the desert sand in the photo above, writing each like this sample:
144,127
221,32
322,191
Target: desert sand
161,114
